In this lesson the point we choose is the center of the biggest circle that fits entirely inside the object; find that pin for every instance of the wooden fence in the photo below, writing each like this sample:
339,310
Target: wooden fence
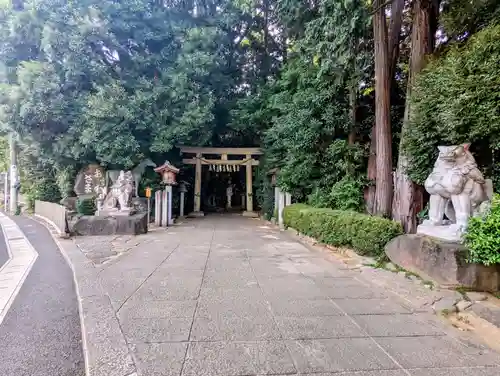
54,214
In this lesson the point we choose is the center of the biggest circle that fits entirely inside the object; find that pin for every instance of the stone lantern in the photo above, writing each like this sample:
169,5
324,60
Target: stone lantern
182,189
163,199
168,173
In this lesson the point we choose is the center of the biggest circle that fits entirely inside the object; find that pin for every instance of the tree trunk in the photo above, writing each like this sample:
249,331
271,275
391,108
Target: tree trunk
383,144
408,196
393,53
394,33
372,175
353,106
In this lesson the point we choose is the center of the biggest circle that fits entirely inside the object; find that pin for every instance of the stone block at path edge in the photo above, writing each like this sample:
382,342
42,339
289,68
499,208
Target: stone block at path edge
443,261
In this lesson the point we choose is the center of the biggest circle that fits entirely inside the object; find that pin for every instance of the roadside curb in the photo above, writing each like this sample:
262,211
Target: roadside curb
105,348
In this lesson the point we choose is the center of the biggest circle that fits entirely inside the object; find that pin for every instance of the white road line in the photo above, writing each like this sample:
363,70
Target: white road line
13,273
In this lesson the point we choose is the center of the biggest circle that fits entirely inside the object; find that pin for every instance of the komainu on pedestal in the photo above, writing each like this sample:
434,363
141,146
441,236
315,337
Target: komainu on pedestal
457,190
117,201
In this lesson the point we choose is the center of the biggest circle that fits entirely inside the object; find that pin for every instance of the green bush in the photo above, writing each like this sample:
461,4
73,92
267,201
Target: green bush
86,206
345,194
483,236
365,234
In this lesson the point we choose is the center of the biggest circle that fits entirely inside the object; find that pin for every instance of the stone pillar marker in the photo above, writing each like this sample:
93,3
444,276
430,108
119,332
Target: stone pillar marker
158,207
182,190
281,206
169,175
164,207
166,218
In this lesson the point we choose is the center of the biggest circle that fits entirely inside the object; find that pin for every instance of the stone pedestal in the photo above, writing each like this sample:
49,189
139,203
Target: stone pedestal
195,214
449,233
443,261
109,225
250,214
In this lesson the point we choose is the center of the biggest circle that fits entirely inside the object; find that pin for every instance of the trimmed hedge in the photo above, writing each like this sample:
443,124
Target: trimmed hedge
365,234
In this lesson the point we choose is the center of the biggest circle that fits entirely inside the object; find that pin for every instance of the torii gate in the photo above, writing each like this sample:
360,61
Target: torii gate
198,160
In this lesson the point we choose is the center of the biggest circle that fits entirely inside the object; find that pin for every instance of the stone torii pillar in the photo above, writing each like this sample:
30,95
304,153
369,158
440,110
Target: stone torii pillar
249,189
182,190
197,188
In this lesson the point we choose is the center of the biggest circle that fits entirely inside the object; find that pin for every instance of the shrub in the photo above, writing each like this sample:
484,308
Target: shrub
86,206
346,194
366,234
483,236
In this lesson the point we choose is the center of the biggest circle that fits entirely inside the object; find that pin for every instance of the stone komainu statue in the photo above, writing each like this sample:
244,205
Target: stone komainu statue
457,188
120,194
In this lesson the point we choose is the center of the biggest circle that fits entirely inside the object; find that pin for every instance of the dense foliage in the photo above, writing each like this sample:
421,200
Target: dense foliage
482,238
86,206
366,234
455,100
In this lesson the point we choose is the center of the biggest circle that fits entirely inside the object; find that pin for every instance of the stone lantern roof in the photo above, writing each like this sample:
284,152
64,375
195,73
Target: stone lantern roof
168,172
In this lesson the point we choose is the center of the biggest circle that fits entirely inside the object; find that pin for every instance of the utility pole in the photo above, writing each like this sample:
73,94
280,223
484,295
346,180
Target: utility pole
13,173
6,191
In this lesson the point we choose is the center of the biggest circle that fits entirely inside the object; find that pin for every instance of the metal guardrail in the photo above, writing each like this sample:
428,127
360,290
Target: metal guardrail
54,214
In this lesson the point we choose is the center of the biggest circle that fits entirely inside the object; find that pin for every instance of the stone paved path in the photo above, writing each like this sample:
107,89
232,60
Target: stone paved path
227,296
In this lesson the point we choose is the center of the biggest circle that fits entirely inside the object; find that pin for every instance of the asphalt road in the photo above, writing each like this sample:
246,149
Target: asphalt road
41,335
4,256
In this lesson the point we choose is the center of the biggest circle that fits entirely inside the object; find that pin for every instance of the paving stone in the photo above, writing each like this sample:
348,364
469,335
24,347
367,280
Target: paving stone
229,279
336,355
371,306
160,359
215,305
174,329
356,292
332,282
150,291
226,327
318,327
249,293
397,325
431,352
136,308
490,371
314,267
293,288
268,267
237,359
463,305
303,308
228,264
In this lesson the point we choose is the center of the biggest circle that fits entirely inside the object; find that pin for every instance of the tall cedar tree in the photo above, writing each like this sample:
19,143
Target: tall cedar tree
408,196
